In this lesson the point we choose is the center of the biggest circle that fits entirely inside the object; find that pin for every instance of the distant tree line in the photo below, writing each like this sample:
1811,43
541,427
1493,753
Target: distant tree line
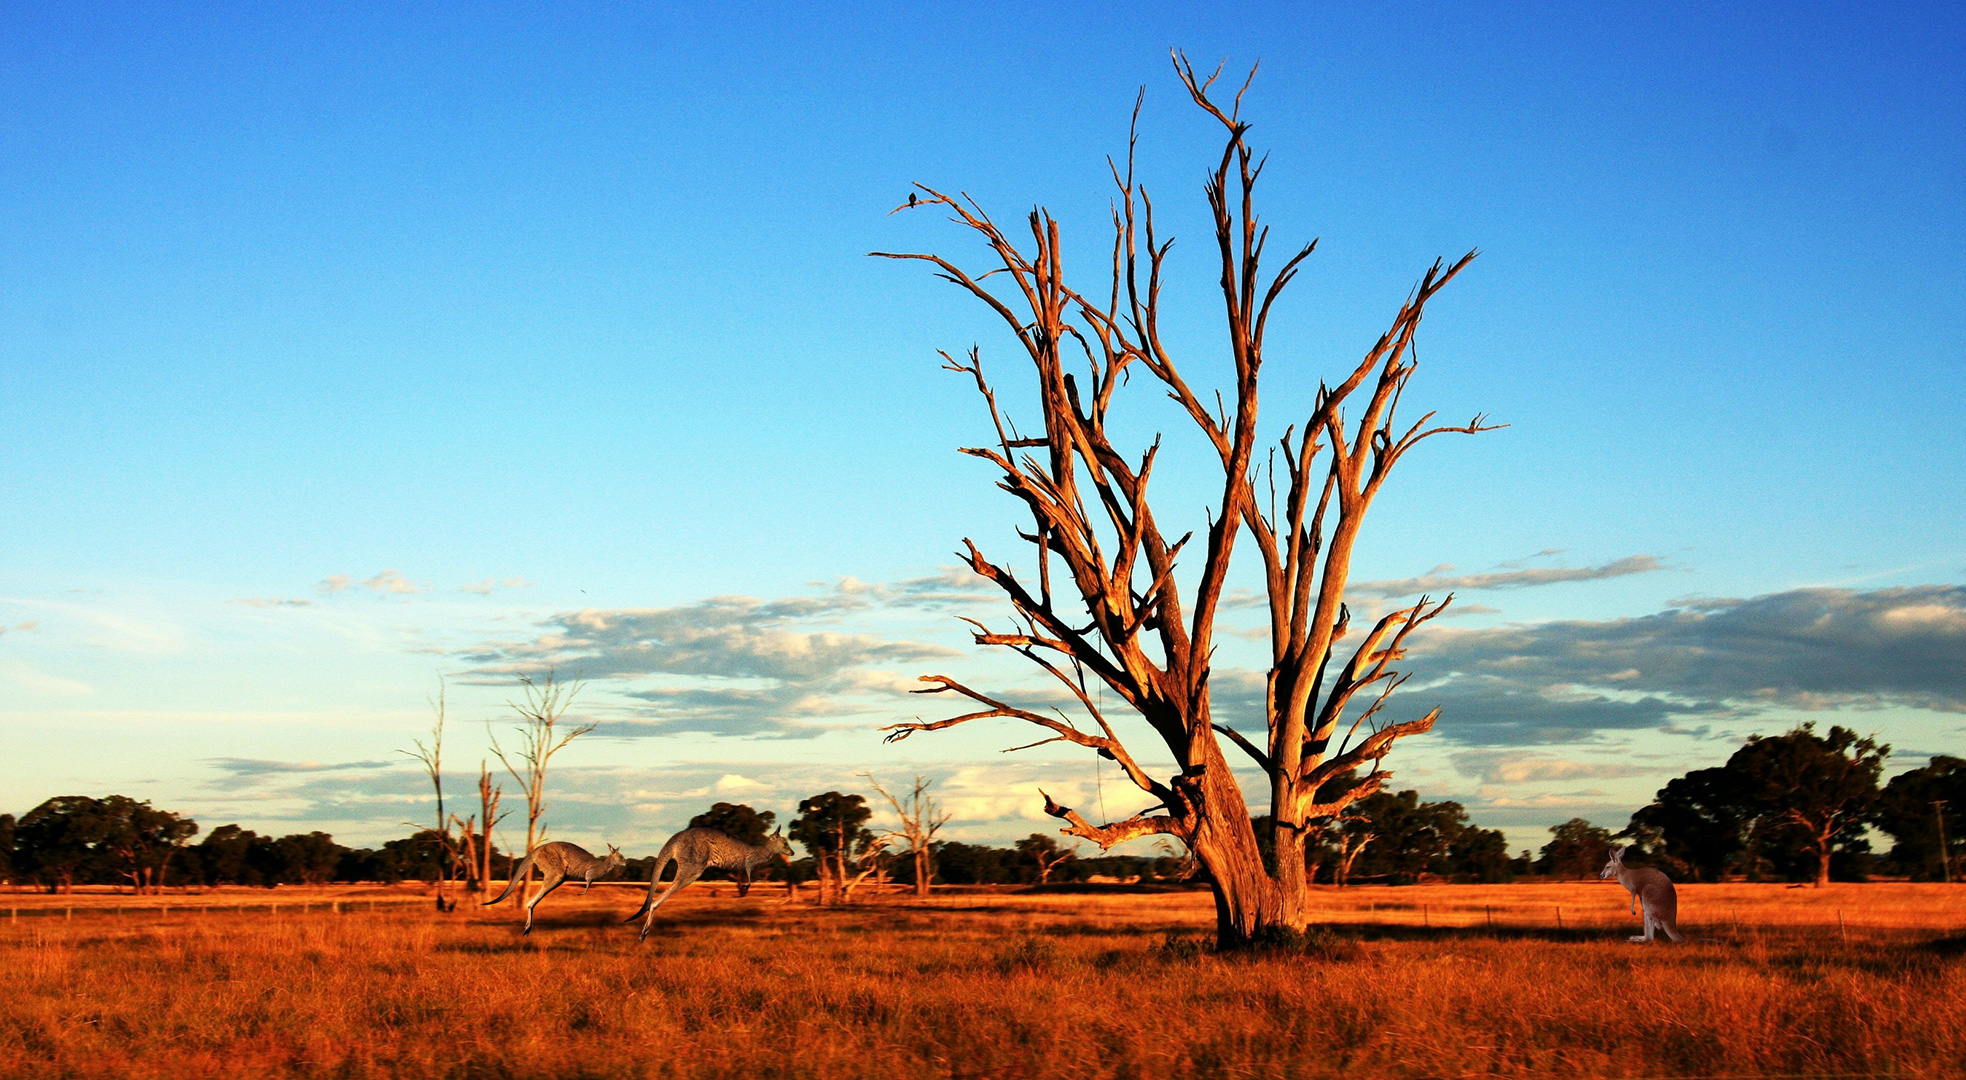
1792,807
75,840
1797,807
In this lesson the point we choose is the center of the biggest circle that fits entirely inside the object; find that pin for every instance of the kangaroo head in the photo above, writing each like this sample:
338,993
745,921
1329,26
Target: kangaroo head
775,844
1616,863
615,858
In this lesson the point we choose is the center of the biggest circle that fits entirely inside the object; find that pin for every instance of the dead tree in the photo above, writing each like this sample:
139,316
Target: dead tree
432,758
1105,607
477,843
544,704
921,819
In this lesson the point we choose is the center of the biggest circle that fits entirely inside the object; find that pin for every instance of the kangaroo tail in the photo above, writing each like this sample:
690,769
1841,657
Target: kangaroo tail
519,874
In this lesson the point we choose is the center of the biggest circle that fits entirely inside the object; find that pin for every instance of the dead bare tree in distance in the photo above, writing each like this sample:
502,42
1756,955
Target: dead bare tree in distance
921,819
432,759
544,703
476,844
1121,619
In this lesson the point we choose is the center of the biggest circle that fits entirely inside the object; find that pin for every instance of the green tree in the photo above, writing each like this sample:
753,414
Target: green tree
1576,849
1697,826
224,856
1040,855
1398,837
309,858
833,828
736,820
1816,793
61,840
139,840
958,863
1480,856
1921,809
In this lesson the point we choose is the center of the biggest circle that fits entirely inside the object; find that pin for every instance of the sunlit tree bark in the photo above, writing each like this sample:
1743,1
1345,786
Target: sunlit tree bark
1105,607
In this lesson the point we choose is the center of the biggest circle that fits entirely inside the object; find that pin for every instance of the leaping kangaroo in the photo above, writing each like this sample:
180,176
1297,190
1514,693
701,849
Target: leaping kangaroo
696,850
1651,889
560,862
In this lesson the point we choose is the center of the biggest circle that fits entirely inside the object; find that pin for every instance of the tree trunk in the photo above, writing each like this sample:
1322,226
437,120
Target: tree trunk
1248,904
1291,879
1822,858
921,871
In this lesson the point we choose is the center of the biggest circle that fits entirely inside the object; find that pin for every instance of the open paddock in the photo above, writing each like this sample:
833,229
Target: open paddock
984,983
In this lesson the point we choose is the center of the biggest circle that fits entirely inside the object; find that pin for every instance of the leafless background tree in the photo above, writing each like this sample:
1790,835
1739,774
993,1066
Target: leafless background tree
542,705
475,842
432,758
1118,617
921,819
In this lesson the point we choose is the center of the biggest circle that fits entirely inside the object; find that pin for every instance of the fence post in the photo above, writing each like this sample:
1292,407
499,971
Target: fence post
1840,932
1426,916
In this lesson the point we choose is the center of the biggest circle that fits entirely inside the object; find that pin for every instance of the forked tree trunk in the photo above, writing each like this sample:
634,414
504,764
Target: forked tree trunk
1102,554
1248,904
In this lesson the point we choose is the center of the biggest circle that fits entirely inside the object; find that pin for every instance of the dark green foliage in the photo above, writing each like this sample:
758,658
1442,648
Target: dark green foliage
308,858
1792,806
958,863
1406,838
1576,849
1696,826
7,848
224,856
1480,856
60,841
1907,812
736,820
833,824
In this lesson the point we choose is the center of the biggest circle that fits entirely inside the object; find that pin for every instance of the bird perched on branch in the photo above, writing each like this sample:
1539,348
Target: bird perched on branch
911,198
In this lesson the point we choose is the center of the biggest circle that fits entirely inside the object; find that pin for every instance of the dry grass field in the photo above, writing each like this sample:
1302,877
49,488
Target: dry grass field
1421,982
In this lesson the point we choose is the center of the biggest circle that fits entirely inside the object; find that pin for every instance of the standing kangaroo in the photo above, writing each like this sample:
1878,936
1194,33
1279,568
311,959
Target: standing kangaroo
560,862
1650,889
696,850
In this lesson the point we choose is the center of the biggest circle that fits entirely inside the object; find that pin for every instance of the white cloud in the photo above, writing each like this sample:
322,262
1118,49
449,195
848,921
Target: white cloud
1439,580
40,683
392,583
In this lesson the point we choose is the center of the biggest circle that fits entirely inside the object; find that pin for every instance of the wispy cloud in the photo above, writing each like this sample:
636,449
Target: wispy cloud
730,665
261,767
386,583
1440,579
492,584
271,602
1720,660
1515,767
393,583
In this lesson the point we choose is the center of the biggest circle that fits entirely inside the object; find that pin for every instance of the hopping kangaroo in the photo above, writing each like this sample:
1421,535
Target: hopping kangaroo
560,862
696,850
1650,889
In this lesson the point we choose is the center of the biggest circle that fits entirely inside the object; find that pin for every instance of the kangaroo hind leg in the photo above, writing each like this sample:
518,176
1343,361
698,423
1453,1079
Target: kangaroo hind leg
662,863
685,873
553,881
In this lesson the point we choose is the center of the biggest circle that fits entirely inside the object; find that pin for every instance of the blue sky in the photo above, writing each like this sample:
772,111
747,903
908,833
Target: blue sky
571,306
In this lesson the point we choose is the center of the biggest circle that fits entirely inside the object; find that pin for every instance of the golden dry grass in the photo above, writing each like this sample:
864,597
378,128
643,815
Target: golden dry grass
990,984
